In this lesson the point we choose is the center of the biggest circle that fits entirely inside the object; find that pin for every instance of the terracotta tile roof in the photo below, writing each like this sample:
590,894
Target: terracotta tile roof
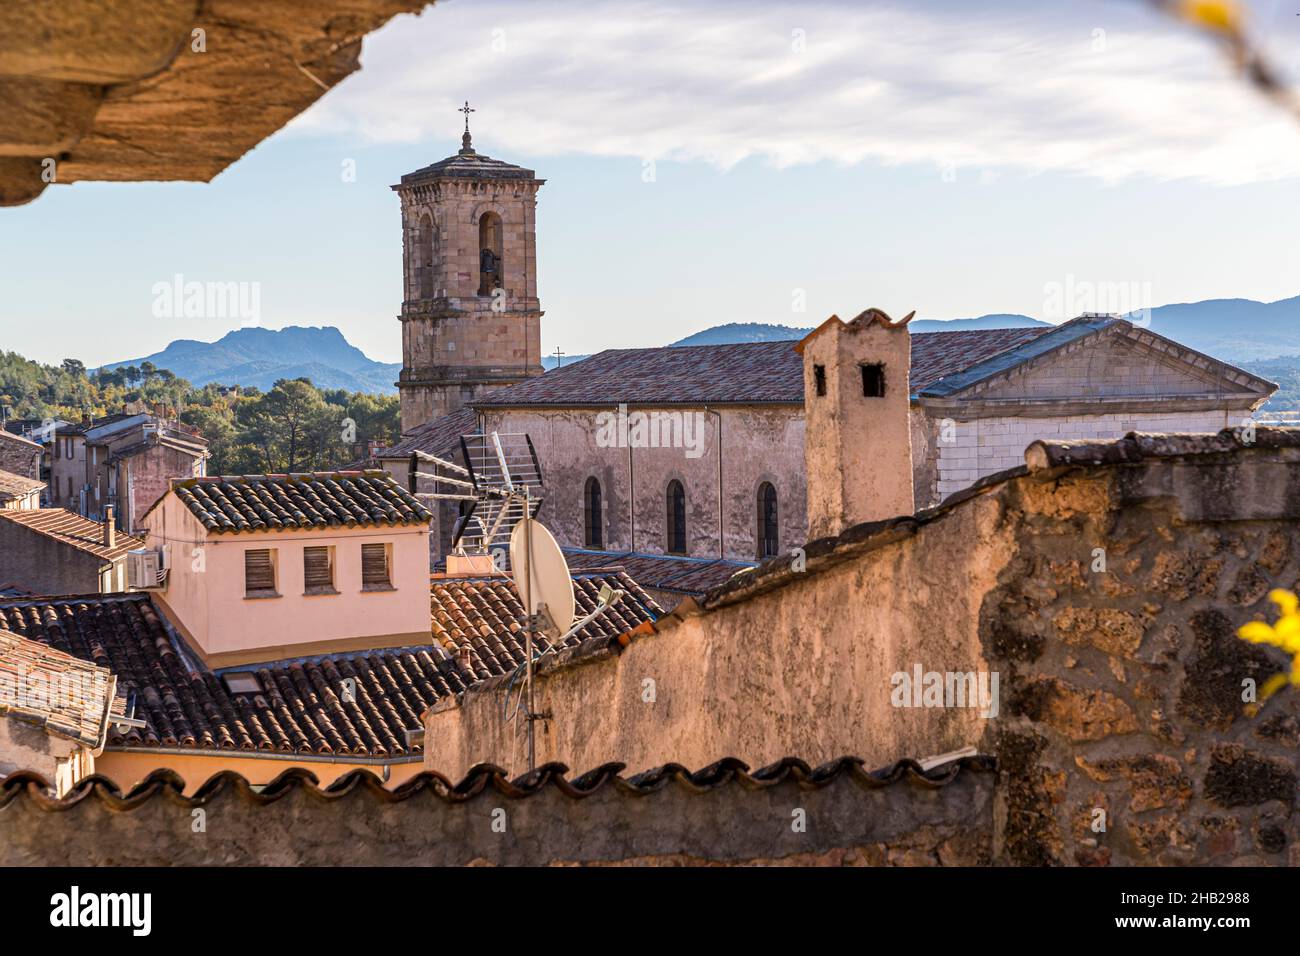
68,527
485,614
16,486
285,502
299,706
664,572
15,438
491,780
440,437
63,695
936,355
748,372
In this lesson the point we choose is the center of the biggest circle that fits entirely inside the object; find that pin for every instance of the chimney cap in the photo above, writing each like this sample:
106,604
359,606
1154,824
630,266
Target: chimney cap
861,320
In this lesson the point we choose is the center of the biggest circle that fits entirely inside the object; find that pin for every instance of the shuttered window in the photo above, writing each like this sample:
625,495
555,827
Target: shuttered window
317,569
259,572
374,566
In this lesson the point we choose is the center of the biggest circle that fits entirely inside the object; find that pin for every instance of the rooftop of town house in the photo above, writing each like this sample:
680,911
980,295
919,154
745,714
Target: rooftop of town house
662,572
297,705
71,529
77,698
17,486
333,499
440,437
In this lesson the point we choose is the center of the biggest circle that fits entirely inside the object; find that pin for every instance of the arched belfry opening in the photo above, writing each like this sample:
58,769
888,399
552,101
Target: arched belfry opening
490,268
425,278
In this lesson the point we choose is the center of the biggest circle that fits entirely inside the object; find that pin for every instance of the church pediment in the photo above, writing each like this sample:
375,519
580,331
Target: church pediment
1098,359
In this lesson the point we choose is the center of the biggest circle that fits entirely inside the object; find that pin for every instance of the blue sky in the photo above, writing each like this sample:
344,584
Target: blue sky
920,156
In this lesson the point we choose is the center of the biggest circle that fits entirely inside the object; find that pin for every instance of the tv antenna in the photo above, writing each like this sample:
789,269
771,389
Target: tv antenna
545,587
500,491
507,485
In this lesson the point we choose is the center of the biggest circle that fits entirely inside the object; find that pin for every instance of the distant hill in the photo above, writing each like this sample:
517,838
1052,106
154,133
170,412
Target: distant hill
734,332
1234,330
259,357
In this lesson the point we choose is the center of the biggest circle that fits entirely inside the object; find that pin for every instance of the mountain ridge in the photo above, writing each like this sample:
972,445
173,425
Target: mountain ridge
1234,330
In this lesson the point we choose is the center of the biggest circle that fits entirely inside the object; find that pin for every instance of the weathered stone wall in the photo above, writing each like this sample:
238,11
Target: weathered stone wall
1123,687
24,746
720,816
1104,587
43,565
805,668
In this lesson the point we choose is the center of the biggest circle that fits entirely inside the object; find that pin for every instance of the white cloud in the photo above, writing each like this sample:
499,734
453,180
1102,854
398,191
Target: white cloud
1024,88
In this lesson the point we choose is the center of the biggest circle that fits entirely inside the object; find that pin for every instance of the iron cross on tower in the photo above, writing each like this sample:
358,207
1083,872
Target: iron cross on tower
465,142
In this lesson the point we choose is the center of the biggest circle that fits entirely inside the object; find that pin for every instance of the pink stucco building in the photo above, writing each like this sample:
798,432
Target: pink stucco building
264,567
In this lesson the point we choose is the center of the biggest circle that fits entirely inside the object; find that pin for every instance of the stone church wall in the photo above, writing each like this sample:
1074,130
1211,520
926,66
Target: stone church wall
758,444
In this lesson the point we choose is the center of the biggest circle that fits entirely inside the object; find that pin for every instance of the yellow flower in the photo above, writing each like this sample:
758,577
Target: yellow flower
1284,634
1224,16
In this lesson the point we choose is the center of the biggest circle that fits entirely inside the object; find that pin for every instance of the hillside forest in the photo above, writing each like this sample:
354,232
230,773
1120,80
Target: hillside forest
293,427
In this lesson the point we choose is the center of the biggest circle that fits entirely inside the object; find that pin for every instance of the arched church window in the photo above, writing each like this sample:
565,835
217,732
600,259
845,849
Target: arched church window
767,524
676,517
593,534
424,276
490,269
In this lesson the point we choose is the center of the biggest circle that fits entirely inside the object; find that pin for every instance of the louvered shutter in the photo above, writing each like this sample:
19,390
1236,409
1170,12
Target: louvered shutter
374,566
259,572
316,571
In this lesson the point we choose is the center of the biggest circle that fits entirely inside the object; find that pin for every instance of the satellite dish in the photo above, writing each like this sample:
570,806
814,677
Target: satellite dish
541,574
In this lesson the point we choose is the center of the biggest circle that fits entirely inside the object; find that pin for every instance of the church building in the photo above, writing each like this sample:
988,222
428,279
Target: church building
698,452
471,321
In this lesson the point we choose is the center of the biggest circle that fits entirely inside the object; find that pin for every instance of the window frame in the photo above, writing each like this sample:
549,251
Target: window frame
675,519
387,584
274,566
310,589
761,537
593,518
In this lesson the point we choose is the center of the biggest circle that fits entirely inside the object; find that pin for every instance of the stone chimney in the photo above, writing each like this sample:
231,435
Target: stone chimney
857,438
110,529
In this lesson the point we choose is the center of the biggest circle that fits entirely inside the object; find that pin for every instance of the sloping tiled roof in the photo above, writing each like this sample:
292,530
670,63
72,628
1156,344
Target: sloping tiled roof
6,435
286,502
63,695
300,704
17,486
485,614
742,373
440,437
468,164
663,572
68,527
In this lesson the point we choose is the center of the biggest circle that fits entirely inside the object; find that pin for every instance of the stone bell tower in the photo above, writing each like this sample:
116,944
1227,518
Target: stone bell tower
471,320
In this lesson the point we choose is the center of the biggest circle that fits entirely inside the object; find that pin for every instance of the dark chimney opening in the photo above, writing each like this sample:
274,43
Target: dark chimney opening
873,381
819,377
